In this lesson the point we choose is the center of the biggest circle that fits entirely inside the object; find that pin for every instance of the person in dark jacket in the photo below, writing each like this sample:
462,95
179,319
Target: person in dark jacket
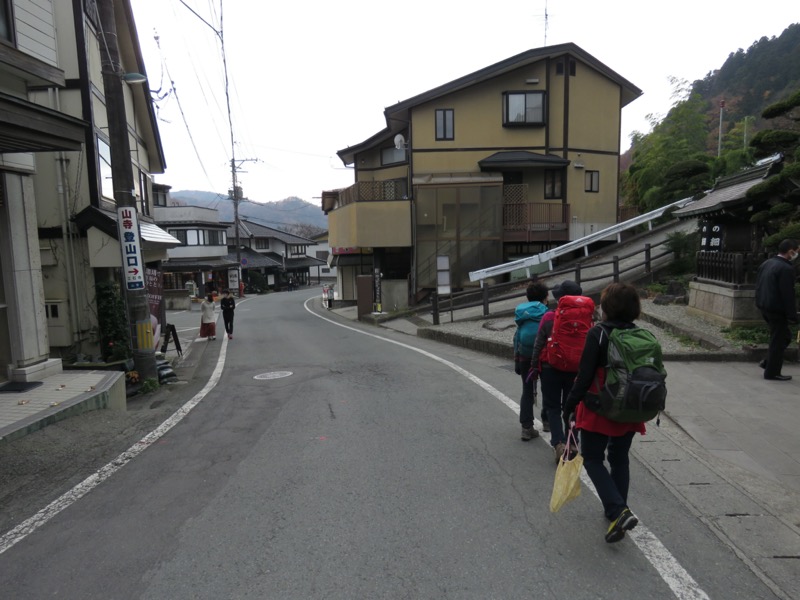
621,306
228,305
775,298
527,316
556,384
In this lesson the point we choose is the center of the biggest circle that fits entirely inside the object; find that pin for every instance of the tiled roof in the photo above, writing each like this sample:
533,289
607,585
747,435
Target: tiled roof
728,191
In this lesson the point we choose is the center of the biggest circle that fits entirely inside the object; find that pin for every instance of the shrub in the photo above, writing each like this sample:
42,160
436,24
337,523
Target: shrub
115,340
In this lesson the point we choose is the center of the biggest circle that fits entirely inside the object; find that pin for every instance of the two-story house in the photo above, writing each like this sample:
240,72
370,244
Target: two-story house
510,160
75,190
279,256
30,134
200,263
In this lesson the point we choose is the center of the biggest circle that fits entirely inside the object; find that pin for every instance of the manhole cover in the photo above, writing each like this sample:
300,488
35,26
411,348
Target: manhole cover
274,375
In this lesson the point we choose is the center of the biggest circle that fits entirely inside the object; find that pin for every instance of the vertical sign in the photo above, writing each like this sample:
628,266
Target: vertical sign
443,275
129,242
233,280
710,236
376,294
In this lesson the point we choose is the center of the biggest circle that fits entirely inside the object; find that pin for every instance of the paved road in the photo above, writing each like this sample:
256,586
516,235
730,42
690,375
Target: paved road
362,464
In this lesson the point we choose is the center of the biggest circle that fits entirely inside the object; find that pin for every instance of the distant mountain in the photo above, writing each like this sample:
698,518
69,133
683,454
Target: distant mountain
291,214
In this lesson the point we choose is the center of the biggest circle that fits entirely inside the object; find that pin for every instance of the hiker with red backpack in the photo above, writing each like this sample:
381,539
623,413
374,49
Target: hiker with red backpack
556,354
590,399
527,316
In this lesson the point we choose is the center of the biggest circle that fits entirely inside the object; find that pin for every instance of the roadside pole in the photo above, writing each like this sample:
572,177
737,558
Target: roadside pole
134,291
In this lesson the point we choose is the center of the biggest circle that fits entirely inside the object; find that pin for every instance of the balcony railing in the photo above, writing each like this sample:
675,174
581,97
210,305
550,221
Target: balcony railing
532,220
370,191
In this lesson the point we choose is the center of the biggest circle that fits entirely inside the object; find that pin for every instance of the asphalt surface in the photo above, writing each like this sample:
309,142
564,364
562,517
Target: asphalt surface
384,466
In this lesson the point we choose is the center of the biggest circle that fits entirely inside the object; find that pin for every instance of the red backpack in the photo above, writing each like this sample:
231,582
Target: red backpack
572,322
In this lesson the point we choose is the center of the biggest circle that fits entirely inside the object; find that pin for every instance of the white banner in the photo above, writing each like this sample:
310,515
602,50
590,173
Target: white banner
131,246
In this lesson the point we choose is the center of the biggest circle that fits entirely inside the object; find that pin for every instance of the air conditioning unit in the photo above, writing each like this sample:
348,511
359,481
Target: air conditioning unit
58,328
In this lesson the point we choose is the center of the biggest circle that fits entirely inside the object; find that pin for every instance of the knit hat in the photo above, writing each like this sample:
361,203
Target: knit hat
566,288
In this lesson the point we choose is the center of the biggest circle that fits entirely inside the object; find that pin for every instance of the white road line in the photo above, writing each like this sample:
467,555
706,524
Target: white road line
30,525
674,575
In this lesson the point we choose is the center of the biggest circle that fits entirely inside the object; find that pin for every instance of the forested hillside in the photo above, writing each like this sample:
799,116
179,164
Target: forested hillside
684,153
291,214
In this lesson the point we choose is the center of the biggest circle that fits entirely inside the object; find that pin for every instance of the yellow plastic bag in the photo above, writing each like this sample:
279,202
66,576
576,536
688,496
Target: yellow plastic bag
567,485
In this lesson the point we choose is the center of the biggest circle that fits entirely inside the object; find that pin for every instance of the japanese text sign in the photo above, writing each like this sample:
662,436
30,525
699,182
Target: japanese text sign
131,246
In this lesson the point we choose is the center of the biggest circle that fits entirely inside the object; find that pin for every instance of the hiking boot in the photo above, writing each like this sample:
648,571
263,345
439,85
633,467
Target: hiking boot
558,450
624,522
528,433
546,426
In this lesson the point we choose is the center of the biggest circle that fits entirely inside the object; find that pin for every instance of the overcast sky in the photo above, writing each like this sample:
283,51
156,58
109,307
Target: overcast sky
309,78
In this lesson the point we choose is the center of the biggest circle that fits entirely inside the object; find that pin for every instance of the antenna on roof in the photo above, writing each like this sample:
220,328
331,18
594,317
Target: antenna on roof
545,22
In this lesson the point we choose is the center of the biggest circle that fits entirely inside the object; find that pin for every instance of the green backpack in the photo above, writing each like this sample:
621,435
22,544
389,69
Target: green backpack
634,390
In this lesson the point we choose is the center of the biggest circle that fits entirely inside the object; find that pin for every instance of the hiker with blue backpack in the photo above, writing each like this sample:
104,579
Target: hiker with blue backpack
620,385
527,316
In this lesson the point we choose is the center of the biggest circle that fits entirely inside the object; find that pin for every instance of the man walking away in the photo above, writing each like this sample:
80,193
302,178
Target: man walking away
775,298
228,305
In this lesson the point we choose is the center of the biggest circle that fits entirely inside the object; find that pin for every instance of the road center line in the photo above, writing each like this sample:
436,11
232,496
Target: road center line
674,575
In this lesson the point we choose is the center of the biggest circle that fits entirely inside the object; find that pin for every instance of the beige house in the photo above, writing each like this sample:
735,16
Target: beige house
513,159
73,212
30,135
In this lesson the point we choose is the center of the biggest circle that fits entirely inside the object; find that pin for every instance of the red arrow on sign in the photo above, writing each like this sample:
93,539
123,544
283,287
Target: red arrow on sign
135,271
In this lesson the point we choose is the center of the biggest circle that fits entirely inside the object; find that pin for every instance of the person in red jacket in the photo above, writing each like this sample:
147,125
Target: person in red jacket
600,436
556,384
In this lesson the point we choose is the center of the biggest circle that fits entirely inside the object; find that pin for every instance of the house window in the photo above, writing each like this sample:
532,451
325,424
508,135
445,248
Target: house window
144,197
553,183
191,237
159,197
390,156
106,175
6,22
262,243
180,234
523,108
216,238
560,68
592,181
444,124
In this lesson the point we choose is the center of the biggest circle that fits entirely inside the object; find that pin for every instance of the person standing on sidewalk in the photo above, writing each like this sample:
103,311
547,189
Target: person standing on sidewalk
556,384
208,318
527,316
775,298
598,435
228,305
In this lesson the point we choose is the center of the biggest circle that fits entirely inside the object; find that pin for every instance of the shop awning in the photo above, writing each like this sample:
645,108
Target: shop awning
199,264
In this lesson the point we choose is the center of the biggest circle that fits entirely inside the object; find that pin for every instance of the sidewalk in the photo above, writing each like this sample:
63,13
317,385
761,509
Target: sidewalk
73,392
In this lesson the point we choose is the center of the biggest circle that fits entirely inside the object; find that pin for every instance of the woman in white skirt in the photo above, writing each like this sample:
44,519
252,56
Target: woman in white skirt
208,318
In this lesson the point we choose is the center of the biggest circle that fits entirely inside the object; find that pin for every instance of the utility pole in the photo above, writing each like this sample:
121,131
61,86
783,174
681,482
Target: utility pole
134,290
719,143
236,196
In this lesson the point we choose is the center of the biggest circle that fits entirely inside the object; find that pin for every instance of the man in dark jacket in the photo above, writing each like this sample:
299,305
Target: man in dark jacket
776,300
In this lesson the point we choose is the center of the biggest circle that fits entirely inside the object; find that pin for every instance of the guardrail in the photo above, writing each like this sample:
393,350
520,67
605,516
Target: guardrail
497,292
569,247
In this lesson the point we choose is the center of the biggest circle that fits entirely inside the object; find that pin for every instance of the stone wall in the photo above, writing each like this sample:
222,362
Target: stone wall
727,304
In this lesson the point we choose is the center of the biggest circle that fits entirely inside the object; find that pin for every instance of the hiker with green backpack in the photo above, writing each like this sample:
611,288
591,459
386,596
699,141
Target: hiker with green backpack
620,385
